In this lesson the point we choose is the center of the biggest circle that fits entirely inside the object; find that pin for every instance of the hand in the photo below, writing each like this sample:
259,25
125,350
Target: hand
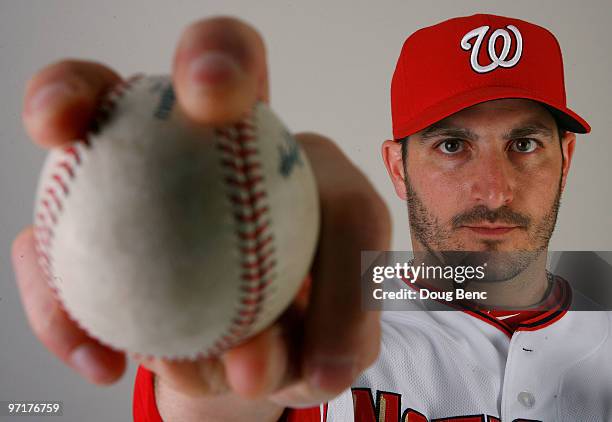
324,340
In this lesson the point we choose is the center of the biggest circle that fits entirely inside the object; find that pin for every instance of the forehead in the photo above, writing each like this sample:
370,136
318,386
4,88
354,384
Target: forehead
501,113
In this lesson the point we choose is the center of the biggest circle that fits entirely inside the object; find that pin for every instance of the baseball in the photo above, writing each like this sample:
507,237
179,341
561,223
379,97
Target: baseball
169,239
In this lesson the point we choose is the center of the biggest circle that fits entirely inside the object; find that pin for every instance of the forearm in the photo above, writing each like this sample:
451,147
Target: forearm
174,406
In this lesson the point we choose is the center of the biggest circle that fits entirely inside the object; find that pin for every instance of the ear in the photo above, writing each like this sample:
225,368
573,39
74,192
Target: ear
392,156
568,142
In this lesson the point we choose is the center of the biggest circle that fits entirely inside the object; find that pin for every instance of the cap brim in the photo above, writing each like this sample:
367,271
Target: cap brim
565,117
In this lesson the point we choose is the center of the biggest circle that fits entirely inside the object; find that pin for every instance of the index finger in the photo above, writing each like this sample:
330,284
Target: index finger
61,100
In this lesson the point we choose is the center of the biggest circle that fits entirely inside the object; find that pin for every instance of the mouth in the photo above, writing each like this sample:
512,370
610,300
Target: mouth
492,230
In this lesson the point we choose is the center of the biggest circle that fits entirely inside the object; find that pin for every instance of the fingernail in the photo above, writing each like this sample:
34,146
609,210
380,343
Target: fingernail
213,67
86,360
332,373
47,96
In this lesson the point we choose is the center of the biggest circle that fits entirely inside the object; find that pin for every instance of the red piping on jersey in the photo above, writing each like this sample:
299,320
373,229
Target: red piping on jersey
144,407
561,293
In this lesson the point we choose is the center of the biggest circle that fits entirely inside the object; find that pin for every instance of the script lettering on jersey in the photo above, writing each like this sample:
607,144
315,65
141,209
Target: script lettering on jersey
388,407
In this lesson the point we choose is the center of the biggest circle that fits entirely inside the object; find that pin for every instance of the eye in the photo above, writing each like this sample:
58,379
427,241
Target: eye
524,145
451,146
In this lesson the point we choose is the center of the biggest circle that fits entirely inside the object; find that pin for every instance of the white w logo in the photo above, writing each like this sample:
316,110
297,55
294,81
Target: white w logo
496,60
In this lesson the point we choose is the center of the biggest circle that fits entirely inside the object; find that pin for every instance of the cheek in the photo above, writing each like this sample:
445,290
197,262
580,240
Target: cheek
440,191
536,186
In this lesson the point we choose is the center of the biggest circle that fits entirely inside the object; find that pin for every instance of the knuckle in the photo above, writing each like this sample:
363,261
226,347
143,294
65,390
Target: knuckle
316,140
64,66
355,332
346,336
375,215
360,206
80,74
61,97
378,212
351,201
67,69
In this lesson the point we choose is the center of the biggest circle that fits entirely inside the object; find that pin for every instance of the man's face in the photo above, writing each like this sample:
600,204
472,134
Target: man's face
488,178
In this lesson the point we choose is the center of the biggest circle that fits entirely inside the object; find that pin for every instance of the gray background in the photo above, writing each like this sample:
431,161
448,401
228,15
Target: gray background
330,68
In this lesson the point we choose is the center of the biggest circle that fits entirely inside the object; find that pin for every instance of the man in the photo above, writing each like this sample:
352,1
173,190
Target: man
483,146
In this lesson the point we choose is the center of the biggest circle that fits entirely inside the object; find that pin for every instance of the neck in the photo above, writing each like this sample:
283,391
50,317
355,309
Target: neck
523,291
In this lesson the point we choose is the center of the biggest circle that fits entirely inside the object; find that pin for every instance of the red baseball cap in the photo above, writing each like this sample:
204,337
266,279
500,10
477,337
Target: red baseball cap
464,61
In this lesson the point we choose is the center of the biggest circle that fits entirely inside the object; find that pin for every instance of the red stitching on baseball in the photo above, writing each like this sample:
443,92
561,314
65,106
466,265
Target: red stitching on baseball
253,218
257,288
262,272
253,290
241,168
250,301
254,234
250,201
46,218
43,229
71,150
244,125
53,196
51,214
243,184
60,182
244,323
258,262
241,153
236,331
250,312
244,138
44,233
258,246
65,165
247,196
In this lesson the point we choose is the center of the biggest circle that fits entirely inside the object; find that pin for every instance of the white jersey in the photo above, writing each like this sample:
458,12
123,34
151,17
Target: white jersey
466,366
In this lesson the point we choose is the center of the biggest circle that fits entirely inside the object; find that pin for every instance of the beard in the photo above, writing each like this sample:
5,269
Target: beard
444,249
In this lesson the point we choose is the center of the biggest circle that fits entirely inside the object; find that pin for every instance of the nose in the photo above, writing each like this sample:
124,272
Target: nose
491,183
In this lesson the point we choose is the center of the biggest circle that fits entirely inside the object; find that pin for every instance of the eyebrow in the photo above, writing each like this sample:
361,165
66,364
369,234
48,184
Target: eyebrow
528,130
521,131
437,130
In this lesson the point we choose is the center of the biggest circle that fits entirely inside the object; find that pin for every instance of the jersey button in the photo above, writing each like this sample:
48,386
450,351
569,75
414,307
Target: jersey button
526,399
